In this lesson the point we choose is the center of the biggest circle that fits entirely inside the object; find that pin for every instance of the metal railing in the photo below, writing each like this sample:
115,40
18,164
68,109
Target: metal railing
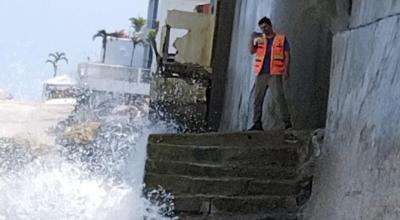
115,78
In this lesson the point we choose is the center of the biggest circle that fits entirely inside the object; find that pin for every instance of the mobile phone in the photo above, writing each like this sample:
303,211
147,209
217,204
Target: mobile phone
258,34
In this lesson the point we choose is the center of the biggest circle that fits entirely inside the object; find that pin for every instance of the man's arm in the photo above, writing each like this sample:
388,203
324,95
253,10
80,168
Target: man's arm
253,47
287,64
287,59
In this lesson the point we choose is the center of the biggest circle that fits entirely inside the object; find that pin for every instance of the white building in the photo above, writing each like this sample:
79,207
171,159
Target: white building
119,52
59,87
114,78
122,72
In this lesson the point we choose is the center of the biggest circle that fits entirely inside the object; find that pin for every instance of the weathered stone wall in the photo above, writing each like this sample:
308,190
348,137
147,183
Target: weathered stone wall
180,102
358,175
307,26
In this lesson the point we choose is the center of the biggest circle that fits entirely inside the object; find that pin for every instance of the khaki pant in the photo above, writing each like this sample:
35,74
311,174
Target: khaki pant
263,82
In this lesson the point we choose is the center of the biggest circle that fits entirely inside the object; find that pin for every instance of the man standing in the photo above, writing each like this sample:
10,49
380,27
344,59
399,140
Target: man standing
272,67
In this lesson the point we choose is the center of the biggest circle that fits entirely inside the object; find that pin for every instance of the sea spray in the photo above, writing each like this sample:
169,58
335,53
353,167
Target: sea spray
94,177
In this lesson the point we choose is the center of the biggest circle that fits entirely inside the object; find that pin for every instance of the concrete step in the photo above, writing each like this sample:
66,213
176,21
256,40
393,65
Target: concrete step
244,175
260,156
272,139
222,205
283,216
220,171
179,185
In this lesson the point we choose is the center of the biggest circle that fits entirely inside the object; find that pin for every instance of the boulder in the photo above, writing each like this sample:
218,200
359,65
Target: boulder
83,133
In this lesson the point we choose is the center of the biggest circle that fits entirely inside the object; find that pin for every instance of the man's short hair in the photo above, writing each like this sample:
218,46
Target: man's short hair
265,20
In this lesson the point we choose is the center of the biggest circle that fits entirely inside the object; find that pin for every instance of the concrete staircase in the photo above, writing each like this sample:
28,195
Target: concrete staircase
247,175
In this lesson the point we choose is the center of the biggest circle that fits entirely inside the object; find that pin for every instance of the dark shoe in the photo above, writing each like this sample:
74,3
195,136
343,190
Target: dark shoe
288,125
256,127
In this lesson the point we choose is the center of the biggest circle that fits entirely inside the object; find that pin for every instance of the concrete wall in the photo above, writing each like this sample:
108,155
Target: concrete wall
225,14
358,173
167,5
307,26
163,7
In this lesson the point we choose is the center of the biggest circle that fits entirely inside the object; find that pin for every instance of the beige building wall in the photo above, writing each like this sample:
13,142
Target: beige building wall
163,8
196,46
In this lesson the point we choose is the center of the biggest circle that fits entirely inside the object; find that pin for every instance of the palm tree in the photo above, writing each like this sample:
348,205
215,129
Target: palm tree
138,23
137,36
54,58
151,38
103,34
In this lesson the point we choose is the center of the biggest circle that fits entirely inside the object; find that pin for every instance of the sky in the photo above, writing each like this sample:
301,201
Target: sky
31,29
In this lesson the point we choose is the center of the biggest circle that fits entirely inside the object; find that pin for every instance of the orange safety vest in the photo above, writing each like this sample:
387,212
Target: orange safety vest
277,55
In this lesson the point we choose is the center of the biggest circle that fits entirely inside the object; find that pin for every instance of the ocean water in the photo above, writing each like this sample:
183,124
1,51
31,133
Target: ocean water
101,179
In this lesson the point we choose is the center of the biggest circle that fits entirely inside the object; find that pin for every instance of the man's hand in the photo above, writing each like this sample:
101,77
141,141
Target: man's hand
286,75
253,47
255,35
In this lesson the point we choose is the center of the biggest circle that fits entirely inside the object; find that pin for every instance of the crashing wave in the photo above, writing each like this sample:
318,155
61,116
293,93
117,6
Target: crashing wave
96,171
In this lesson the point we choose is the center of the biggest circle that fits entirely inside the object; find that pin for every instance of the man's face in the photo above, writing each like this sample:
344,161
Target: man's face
266,29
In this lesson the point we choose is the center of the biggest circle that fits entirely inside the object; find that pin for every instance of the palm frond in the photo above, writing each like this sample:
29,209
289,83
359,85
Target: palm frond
152,34
64,58
53,55
138,23
100,33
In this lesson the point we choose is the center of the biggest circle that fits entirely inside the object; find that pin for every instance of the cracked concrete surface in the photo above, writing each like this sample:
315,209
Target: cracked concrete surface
196,46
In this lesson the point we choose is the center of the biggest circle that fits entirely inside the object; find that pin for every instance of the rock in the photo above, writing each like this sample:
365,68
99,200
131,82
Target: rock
129,110
317,141
83,133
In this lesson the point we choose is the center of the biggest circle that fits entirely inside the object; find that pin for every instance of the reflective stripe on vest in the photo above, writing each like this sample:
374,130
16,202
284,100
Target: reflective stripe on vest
277,66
